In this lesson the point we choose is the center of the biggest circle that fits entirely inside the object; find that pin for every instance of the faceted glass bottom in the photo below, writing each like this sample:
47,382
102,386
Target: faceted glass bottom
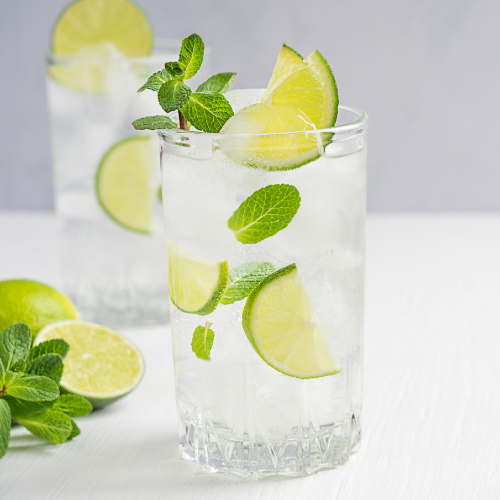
304,452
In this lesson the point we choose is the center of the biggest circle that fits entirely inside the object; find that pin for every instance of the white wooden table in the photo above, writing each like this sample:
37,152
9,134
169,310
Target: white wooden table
432,377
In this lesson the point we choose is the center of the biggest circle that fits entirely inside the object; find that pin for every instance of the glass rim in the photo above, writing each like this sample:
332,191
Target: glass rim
359,125
160,48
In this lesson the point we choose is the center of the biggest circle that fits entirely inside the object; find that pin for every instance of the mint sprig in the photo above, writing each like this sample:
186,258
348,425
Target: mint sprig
264,213
206,109
203,339
29,390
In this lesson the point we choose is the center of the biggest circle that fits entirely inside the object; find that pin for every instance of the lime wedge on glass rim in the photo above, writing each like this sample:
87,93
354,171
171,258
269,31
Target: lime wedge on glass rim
97,31
301,97
101,365
280,324
196,284
124,186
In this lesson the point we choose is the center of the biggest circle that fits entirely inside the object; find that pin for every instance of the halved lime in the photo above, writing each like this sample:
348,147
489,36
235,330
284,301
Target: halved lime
301,97
196,284
32,303
87,28
123,183
280,323
101,365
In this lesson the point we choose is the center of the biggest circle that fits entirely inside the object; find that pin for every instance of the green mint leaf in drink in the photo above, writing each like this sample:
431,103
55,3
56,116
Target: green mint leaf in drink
33,388
155,81
21,408
243,279
51,425
207,112
4,426
49,365
74,431
191,55
73,405
203,339
154,123
217,83
173,95
15,342
56,346
175,70
264,213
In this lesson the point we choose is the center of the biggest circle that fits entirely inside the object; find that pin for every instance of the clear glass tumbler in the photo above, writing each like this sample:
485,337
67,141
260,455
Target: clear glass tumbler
107,184
245,410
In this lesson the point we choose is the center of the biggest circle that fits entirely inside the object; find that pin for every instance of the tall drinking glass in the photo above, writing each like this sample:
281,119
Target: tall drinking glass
255,396
107,184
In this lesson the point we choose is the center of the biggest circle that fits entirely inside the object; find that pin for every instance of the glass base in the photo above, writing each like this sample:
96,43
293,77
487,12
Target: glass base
304,452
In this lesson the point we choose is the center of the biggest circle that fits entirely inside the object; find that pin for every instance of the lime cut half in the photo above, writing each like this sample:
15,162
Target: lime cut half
124,186
32,303
87,28
101,365
196,284
280,323
301,97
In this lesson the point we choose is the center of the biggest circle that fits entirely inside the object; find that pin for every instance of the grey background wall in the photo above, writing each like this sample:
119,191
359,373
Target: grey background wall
427,72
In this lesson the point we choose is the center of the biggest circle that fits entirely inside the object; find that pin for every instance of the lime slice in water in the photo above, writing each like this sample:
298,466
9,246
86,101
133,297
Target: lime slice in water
123,183
301,96
196,284
88,28
280,323
101,364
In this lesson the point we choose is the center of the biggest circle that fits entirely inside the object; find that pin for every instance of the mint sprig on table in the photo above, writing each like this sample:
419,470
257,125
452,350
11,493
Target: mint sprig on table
206,108
29,388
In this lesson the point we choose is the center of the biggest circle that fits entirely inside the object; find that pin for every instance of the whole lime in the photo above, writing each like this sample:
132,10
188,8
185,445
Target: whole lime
33,303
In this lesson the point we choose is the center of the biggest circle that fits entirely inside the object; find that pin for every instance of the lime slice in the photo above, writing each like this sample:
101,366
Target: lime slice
280,323
123,183
301,96
32,303
101,364
196,284
86,27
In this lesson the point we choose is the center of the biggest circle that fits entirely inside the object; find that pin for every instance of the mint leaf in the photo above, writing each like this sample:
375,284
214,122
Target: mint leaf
74,431
264,213
217,83
243,279
191,55
2,374
175,69
58,346
207,111
50,366
20,408
173,95
51,425
4,427
203,338
73,405
18,367
155,81
154,123
15,342
11,378
34,389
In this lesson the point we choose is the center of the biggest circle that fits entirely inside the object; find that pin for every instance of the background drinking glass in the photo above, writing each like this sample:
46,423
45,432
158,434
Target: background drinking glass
107,184
237,414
